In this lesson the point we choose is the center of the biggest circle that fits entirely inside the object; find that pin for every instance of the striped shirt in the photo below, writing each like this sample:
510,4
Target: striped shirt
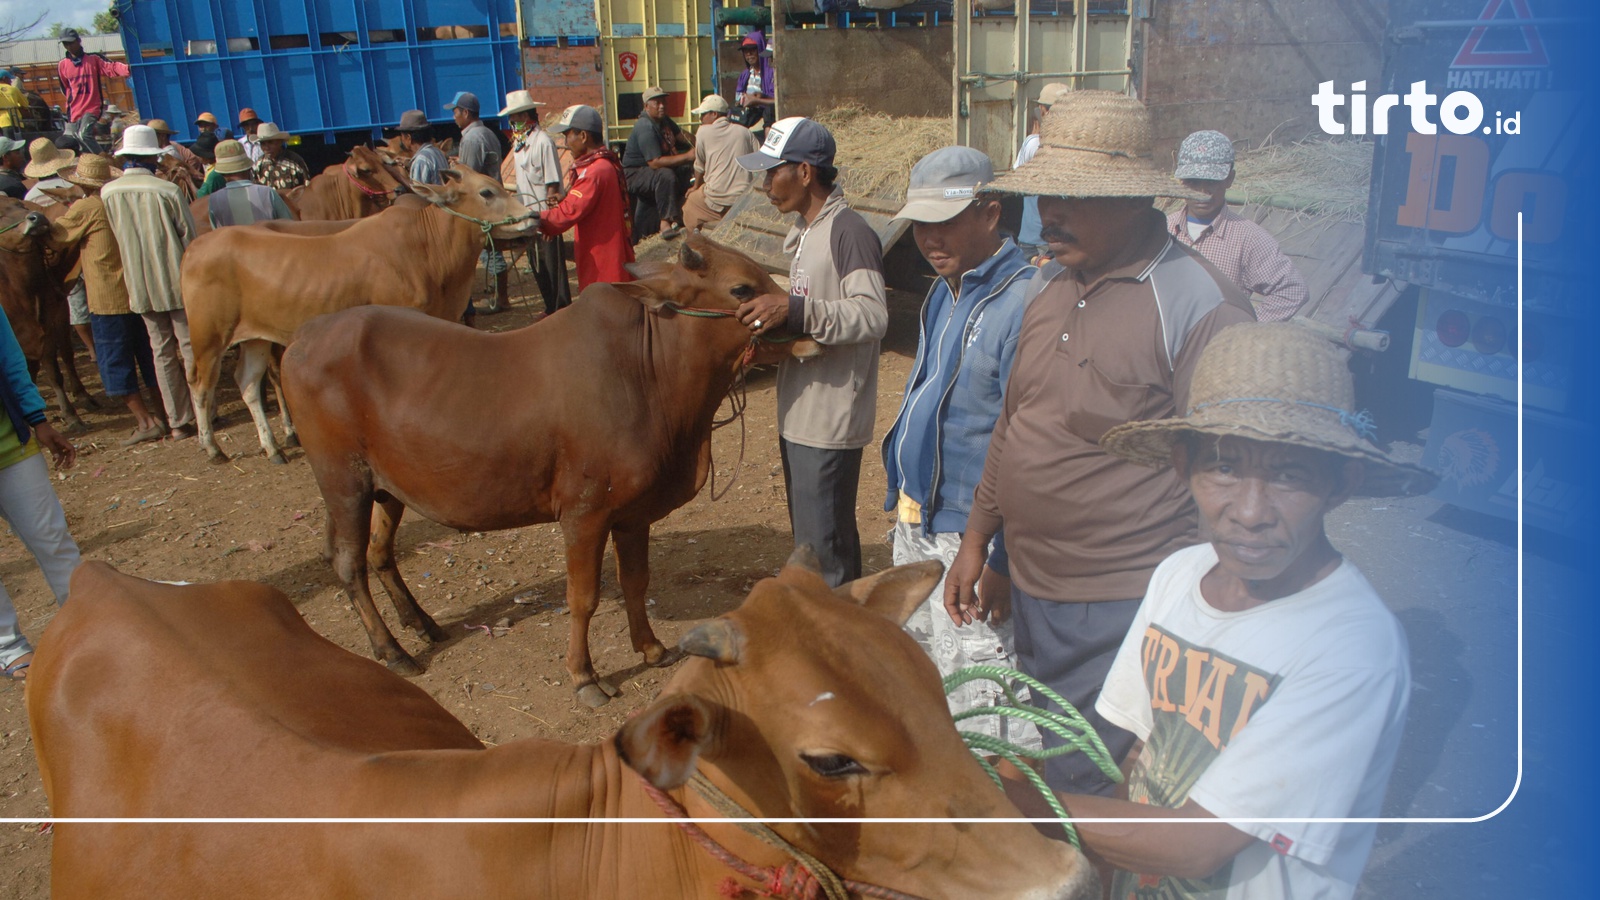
245,203
1249,255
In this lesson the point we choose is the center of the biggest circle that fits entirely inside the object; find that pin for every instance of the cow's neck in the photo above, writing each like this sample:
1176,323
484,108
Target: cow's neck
461,240
691,359
546,779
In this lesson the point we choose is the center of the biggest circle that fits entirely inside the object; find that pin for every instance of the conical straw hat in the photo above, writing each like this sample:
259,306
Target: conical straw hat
1277,382
1093,144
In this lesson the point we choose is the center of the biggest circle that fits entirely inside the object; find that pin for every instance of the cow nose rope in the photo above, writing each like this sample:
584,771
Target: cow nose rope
807,878
1069,725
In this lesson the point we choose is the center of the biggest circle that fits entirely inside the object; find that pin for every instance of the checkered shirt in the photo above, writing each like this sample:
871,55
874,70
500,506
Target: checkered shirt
1251,258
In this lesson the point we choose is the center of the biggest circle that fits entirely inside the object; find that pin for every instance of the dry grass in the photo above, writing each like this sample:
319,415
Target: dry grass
1325,178
877,151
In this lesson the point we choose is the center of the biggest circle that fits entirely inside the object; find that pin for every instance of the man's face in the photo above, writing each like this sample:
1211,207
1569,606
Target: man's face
1089,233
1216,197
577,142
163,139
785,187
206,127
958,245
655,108
462,117
751,56
13,160
272,149
1262,504
250,127
74,49
524,120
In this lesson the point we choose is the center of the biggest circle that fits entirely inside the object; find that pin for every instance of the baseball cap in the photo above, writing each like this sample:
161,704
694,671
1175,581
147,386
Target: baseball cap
9,144
1050,93
750,40
69,36
795,139
652,92
580,118
712,103
464,100
944,183
1205,156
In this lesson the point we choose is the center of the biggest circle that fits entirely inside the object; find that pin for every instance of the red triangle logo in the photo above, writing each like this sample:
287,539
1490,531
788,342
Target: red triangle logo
1531,56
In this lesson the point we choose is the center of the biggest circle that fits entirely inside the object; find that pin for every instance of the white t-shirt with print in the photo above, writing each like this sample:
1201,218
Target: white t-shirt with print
1292,709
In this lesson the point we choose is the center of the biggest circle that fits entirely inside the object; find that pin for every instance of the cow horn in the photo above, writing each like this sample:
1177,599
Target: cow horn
718,639
692,259
805,557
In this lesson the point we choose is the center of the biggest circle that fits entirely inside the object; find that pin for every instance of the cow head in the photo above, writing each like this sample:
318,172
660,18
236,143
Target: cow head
708,275
368,170
21,225
808,702
479,197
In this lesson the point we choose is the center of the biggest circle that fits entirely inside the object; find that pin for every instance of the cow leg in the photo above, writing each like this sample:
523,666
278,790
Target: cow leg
633,571
349,497
203,380
275,373
380,557
50,371
254,359
586,547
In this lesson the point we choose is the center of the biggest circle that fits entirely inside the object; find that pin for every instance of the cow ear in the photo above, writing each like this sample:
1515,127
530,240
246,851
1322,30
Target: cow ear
664,741
451,174
652,299
441,195
895,593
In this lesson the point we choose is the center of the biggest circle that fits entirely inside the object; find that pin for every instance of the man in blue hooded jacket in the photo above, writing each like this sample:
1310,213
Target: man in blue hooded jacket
934,453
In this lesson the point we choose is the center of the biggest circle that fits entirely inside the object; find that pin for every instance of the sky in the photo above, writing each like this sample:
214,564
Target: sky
15,13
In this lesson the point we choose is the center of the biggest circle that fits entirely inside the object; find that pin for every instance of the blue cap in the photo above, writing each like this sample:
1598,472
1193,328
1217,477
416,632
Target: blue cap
464,100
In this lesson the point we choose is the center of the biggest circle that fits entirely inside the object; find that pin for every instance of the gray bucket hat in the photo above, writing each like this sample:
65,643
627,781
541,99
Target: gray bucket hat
944,183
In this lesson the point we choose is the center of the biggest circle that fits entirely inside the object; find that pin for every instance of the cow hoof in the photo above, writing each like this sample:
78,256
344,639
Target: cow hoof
74,426
666,657
217,457
277,459
291,440
404,665
593,696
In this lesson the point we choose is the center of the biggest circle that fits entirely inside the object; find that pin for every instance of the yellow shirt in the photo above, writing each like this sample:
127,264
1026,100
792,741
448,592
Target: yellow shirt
101,258
11,98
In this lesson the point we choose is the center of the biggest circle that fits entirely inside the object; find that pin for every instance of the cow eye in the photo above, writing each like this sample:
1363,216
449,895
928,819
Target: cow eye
833,765
486,193
743,292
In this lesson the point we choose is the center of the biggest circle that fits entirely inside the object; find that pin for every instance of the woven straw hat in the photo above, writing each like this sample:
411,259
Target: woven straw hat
1093,144
46,159
92,171
1277,382
231,158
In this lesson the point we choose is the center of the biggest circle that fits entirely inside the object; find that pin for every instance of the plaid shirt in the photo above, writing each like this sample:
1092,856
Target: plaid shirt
285,172
1251,258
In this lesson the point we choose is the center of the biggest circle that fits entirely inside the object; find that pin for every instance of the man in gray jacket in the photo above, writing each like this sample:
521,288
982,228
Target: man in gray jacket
836,296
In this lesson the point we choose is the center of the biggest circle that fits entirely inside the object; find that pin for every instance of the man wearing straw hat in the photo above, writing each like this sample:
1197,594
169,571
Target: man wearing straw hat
1263,675
1117,321
279,167
153,226
241,201
45,162
191,162
1243,250
538,174
122,344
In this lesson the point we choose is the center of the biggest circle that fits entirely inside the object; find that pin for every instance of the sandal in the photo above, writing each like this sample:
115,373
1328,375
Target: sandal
17,671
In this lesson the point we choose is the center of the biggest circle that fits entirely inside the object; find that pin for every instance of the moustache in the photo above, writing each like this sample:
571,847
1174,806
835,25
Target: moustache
1054,235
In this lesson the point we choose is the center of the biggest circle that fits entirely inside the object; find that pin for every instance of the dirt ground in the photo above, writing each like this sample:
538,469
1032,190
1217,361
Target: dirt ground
163,511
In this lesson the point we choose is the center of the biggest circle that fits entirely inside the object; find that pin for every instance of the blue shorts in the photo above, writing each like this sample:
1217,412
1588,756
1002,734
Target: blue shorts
122,351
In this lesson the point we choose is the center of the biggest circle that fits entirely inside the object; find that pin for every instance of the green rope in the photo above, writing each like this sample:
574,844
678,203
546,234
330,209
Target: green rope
697,313
1069,725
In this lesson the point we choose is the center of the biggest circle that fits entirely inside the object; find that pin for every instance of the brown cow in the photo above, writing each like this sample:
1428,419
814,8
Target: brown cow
217,700
354,189
33,296
256,284
599,418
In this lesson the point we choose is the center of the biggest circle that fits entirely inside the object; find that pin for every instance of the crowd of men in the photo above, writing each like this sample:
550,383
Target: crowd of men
1124,470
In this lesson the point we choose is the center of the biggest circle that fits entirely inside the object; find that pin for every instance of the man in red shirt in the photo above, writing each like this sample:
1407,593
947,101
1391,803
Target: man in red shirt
596,201
80,80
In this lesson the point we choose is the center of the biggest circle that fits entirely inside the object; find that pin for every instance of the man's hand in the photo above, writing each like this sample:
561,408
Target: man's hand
765,313
960,601
62,453
994,595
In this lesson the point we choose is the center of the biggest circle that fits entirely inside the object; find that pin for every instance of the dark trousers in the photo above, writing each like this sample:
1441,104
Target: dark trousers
1069,647
548,257
821,488
662,189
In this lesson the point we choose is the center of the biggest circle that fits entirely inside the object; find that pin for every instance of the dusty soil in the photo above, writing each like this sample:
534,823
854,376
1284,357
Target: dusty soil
162,511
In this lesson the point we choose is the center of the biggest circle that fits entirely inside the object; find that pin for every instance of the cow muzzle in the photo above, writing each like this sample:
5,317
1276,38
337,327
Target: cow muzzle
34,223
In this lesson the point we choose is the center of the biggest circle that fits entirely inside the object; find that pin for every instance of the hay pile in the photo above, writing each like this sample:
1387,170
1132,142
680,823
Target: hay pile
877,151
1326,178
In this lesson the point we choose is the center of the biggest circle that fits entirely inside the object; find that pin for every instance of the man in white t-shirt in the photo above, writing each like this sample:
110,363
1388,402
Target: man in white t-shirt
1263,676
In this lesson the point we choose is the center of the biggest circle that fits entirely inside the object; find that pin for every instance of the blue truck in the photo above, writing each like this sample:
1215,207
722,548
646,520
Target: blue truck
334,72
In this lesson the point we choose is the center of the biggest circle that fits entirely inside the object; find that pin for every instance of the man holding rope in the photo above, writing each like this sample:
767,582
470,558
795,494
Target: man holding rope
1263,676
